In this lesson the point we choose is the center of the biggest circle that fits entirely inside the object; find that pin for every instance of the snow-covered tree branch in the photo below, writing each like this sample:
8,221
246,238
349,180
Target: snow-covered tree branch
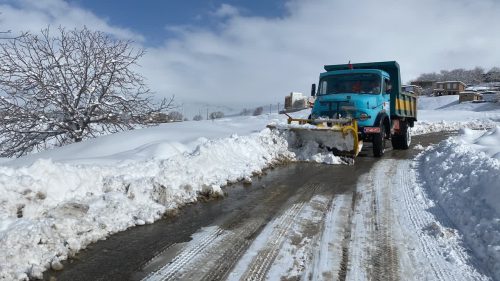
61,89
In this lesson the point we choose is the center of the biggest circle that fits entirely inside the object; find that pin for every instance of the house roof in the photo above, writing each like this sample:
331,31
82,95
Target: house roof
469,92
443,82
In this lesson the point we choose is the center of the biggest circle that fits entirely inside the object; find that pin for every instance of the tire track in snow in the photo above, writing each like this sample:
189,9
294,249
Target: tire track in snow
211,255
373,250
260,264
327,262
420,220
347,236
169,271
237,244
384,258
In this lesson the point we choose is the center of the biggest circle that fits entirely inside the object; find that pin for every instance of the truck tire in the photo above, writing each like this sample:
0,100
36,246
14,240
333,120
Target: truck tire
402,140
379,142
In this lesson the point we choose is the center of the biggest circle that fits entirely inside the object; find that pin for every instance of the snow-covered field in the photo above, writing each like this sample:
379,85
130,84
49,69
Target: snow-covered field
55,203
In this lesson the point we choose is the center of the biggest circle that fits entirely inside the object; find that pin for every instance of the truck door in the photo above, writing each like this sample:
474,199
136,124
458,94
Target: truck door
386,95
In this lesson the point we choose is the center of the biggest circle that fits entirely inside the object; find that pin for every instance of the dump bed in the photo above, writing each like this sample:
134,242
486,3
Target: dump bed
403,104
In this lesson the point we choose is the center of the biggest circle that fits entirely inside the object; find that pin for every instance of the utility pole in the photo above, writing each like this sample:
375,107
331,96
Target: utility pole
270,105
207,112
278,107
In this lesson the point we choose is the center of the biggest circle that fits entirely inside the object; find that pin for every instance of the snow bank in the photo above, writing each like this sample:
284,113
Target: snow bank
424,102
463,176
444,113
50,210
426,127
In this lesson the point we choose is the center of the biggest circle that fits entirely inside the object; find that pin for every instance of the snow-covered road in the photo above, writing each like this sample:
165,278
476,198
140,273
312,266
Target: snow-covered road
58,203
313,222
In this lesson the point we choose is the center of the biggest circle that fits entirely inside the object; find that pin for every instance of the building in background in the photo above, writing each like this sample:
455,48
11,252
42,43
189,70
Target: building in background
296,101
489,92
469,96
448,88
426,86
415,89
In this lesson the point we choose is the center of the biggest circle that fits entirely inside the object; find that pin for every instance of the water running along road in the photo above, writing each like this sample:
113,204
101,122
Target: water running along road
299,221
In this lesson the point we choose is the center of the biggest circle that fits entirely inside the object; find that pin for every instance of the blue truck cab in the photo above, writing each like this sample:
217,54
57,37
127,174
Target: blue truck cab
371,94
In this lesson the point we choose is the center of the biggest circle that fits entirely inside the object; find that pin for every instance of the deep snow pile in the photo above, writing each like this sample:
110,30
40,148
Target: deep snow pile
426,127
54,203
462,175
49,210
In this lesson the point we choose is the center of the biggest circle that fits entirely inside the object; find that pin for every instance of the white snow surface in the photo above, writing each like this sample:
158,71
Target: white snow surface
444,113
462,174
54,203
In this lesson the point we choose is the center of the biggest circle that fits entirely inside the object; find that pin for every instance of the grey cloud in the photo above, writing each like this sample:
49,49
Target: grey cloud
252,60
26,15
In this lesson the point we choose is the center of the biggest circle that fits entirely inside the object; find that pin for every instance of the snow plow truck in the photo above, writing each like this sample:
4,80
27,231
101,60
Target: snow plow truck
356,103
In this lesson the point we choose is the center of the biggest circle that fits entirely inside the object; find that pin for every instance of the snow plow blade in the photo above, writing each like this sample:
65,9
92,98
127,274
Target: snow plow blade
337,135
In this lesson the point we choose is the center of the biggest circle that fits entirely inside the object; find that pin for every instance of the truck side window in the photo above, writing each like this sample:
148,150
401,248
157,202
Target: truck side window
387,86
323,87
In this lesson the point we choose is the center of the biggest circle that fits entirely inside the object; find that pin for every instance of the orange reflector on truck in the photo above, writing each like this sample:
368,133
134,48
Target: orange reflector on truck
395,126
371,130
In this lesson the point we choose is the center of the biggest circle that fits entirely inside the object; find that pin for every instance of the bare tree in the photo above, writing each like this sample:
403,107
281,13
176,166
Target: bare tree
245,112
4,35
175,116
198,117
258,111
216,115
473,76
61,89
493,75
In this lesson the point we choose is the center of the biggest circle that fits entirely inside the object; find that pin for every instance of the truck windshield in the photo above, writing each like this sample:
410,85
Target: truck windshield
361,83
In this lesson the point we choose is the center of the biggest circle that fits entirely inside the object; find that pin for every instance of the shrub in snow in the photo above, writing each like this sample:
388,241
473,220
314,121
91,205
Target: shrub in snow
216,115
258,111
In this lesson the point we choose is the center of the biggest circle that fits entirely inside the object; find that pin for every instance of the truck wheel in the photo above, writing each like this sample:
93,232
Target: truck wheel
379,142
403,140
406,137
396,141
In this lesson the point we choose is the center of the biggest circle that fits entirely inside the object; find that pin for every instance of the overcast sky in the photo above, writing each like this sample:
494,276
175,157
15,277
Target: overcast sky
256,52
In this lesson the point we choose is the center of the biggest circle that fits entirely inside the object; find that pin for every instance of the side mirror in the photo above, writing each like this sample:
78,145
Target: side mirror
313,90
